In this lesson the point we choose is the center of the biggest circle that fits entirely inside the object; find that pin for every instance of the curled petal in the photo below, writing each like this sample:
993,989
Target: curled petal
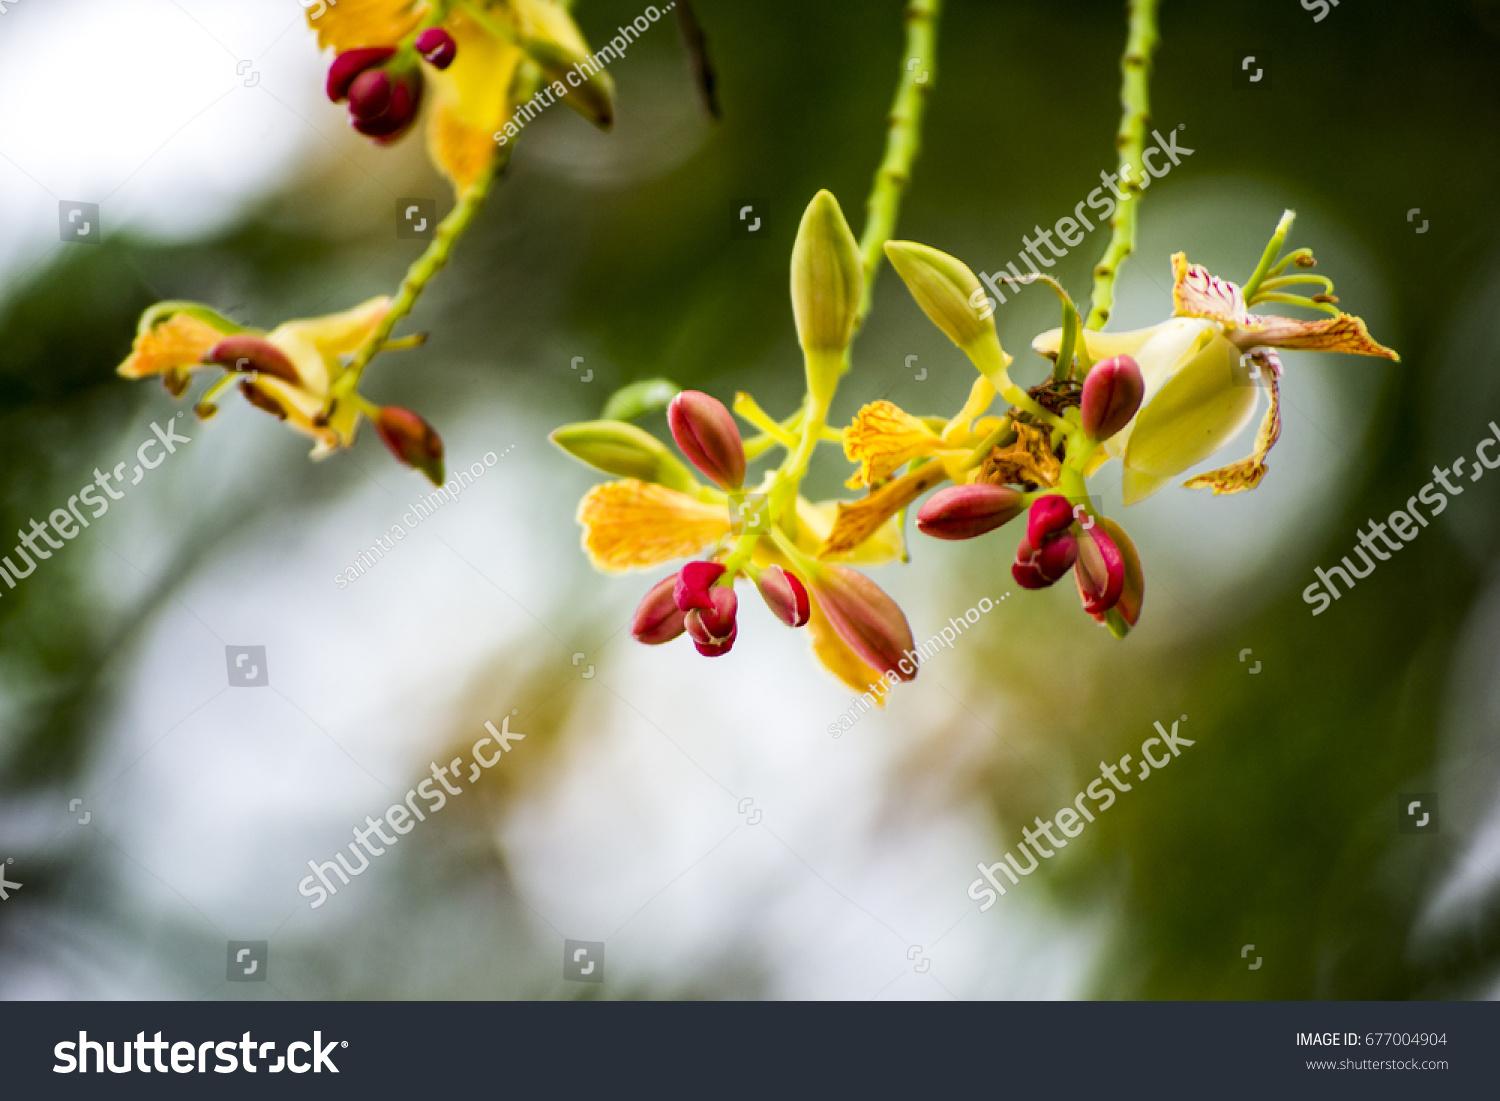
1197,293
1247,473
630,524
253,354
861,521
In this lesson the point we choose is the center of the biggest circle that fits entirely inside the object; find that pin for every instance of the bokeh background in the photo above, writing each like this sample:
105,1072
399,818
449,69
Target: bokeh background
623,815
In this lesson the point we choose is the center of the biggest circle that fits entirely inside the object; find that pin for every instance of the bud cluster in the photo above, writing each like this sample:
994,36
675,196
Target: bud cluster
384,93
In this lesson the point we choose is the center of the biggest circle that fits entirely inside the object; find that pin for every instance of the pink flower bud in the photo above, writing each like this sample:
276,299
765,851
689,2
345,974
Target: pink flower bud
1048,516
1100,571
370,94
349,65
437,47
713,629
962,512
869,622
412,440
252,355
658,619
706,433
1038,568
785,595
1133,587
1112,393
693,582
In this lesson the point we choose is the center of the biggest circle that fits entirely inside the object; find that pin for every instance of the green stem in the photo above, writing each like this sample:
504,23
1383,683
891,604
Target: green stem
902,142
422,270
1135,69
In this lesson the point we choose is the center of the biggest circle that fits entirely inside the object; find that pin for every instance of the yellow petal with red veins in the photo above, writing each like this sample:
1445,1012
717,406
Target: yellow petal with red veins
178,342
632,525
1196,293
882,438
471,100
349,24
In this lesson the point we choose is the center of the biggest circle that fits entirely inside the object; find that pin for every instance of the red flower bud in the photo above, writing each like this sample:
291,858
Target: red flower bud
785,595
253,355
370,94
1048,516
1038,568
1100,571
869,622
713,629
658,619
1133,590
399,111
412,440
693,582
962,512
1112,393
437,47
706,433
349,65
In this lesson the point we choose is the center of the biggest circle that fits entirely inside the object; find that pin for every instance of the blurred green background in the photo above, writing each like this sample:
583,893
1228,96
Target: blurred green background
1278,828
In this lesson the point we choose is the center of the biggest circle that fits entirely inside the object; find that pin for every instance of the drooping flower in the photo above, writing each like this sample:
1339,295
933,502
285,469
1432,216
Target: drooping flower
1199,391
291,372
472,54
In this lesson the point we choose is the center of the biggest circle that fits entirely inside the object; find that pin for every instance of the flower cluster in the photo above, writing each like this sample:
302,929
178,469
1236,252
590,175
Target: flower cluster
480,56
1160,400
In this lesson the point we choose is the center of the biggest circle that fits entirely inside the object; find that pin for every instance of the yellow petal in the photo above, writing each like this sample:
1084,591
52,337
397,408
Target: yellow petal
859,521
882,438
348,24
630,524
471,101
178,342
314,345
815,522
1196,412
1247,473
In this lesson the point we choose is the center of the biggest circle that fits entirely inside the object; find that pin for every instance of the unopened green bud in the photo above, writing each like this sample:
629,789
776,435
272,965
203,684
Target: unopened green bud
827,277
951,295
626,452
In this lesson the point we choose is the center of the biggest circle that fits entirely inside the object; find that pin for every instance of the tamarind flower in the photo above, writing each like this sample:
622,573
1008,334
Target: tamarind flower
289,372
469,54
1196,366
